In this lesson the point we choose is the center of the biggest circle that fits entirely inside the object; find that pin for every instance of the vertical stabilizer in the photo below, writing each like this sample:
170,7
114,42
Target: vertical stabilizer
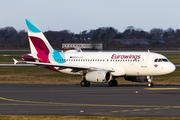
37,40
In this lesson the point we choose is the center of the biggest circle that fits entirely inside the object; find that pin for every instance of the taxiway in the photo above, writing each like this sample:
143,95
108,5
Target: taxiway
98,100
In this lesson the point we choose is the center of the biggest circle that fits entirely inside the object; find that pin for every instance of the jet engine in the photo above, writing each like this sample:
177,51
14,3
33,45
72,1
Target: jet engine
136,78
98,76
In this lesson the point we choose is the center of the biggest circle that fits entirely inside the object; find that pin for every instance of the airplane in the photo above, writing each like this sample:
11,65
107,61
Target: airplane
100,67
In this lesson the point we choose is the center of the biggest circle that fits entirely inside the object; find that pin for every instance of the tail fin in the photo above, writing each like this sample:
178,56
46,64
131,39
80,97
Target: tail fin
37,40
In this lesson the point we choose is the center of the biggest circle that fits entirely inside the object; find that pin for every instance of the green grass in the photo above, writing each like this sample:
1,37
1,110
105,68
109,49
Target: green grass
35,75
49,117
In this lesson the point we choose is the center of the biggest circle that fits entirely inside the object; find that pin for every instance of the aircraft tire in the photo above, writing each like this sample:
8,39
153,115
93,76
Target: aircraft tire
150,84
88,83
113,83
85,83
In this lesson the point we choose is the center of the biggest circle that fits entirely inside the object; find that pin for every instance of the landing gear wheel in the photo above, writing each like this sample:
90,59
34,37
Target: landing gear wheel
85,83
88,84
150,84
113,83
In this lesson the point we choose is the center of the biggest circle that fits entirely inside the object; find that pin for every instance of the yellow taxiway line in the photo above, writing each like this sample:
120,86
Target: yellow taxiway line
36,103
161,88
76,104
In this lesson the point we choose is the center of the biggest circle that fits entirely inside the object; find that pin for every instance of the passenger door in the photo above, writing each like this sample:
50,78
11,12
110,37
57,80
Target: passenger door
144,61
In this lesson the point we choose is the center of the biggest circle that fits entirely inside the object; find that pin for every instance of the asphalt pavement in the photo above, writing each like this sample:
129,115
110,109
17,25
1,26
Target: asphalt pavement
96,100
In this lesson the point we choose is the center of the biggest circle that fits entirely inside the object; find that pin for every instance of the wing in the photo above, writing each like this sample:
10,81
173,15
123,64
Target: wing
80,67
63,66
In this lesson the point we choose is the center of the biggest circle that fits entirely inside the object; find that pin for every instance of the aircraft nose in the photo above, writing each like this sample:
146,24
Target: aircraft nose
171,68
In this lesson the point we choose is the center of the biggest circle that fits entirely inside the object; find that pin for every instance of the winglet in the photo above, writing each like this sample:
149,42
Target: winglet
15,61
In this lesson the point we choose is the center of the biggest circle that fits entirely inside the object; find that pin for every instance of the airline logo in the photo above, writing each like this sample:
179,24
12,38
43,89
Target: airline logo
135,57
155,65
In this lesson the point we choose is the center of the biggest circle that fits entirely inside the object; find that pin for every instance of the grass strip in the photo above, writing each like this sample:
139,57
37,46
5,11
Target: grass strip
35,75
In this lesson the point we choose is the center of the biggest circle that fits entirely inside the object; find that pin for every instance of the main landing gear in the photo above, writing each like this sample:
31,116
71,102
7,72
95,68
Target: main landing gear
84,82
150,84
113,82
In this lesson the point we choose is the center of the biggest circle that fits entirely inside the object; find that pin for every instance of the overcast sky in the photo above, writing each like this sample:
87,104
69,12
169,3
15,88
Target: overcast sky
80,15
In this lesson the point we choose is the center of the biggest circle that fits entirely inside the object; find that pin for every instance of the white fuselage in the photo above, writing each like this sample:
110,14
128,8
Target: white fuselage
123,63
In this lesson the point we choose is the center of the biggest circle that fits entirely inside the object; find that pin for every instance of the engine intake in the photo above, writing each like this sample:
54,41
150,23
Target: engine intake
98,76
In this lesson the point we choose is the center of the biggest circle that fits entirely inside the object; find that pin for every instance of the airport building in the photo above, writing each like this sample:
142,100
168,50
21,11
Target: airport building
82,46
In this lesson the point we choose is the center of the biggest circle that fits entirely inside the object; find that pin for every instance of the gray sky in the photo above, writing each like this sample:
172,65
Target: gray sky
80,15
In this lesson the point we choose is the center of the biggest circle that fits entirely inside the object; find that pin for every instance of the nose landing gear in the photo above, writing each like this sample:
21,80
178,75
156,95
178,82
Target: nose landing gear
150,84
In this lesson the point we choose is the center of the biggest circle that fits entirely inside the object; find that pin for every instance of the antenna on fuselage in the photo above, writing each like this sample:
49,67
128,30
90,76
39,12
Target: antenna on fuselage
148,51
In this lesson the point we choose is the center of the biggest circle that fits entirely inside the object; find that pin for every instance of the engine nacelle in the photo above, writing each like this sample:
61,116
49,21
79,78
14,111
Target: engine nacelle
136,78
98,76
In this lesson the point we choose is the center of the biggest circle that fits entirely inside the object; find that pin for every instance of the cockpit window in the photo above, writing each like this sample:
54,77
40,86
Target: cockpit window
155,60
164,60
161,60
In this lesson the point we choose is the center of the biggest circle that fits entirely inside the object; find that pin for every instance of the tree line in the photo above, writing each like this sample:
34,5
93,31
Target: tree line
10,38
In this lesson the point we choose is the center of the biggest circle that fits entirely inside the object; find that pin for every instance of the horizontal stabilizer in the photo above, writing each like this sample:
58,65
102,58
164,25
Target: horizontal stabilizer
21,57
16,61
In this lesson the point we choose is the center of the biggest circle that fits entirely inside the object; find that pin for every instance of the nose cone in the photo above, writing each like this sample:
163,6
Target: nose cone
171,68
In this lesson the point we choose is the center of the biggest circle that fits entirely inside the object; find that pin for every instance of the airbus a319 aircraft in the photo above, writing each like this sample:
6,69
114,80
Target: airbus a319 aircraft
103,67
